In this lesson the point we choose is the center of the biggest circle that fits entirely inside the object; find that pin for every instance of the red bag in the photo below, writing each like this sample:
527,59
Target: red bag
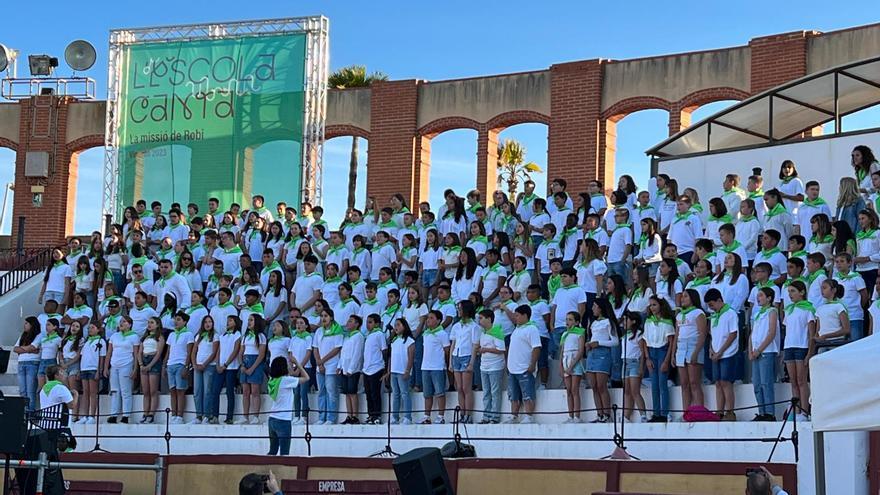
696,414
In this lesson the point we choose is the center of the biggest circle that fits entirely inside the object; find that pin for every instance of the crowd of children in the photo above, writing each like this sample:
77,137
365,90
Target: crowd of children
463,297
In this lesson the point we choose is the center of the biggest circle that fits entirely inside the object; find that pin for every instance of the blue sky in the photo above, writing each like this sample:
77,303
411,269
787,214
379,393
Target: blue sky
442,40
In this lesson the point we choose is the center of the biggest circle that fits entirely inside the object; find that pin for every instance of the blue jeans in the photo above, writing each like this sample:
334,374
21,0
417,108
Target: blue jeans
492,394
415,378
27,382
328,396
621,268
227,379
616,364
553,345
856,330
659,387
478,377
301,399
202,387
279,436
401,399
763,378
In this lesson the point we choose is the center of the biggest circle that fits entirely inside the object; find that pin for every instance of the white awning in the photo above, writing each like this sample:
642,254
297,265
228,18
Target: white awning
782,113
845,392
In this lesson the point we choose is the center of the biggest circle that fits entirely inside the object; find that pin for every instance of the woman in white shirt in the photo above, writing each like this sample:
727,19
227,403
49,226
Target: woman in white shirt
591,270
733,283
763,348
718,216
669,286
649,254
150,354
429,259
204,359
462,357
799,318
657,348
283,380
832,319
791,188
520,279
691,328
603,336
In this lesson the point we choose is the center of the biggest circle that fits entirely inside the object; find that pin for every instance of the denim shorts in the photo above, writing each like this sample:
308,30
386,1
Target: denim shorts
155,370
577,369
544,355
434,383
255,378
73,369
176,379
520,387
51,295
794,354
44,364
632,368
350,383
460,363
684,349
429,277
599,360
725,369
88,374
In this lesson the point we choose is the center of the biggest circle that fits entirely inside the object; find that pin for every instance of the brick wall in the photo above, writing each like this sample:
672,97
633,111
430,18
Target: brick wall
393,165
778,59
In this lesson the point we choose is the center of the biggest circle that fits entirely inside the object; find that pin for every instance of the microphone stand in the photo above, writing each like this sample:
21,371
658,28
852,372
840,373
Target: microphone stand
97,447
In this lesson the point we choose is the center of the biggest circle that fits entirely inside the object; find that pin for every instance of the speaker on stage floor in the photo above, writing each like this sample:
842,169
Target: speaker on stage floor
422,472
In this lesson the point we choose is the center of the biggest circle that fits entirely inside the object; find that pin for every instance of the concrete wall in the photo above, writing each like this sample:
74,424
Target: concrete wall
480,99
86,118
349,107
673,77
832,49
9,117
14,306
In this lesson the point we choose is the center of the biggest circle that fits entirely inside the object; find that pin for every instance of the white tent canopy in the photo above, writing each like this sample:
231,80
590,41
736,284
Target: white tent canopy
782,113
845,387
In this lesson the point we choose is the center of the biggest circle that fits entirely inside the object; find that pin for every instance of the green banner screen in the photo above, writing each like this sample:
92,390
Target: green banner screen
212,118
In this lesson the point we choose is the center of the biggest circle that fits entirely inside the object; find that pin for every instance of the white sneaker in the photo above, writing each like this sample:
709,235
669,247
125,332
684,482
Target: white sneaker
255,420
527,419
196,421
568,421
242,421
802,418
395,421
643,419
439,420
542,386
576,420
511,420
90,420
297,421
406,421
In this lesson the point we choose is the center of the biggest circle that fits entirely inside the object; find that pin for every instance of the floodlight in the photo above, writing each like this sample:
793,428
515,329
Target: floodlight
5,57
80,55
42,65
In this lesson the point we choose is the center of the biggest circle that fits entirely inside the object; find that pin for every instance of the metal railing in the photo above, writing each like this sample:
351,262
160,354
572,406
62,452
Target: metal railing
20,266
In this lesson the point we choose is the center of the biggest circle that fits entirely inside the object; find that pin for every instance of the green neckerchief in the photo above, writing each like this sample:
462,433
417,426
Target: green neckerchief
233,250
517,275
389,223
378,246
386,283
205,335
806,305
51,336
641,208
256,308
717,316
179,331
763,285
473,207
93,338
766,253
865,234
684,312
213,279
788,281
447,302
480,238
643,241
701,281
225,305
432,331
591,234
81,307
877,202
747,218
495,331
846,276
762,311
335,249
162,253
779,209
575,330
798,254
732,190
334,330
494,268
333,280
657,320
723,218
47,388
811,277
536,301
293,241
274,387
58,263
861,174
729,248
144,214
788,178
696,208
526,199
553,284
391,310
814,202
276,337
370,302
828,239
192,309
302,334
756,194
452,249
682,216
622,226
272,266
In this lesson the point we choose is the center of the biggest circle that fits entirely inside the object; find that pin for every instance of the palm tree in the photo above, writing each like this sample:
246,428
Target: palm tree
353,76
512,166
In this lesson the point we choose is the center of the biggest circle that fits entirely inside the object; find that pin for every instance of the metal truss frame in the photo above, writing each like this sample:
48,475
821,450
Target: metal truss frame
317,30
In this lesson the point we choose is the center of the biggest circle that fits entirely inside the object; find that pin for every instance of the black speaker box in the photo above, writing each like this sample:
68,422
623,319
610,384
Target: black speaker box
422,472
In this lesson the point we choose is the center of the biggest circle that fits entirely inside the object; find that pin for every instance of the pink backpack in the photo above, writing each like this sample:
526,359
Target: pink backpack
695,414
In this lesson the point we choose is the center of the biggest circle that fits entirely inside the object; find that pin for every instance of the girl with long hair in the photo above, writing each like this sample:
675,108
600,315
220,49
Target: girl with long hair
462,356
849,202
70,358
204,359
284,378
150,358
634,365
467,275
657,348
799,318
251,357
227,367
28,361
400,367
669,285
603,337
777,217
691,329
571,365
864,164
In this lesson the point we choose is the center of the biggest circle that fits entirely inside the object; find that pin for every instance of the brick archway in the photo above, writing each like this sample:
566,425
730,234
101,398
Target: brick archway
7,143
680,113
342,130
439,126
85,142
509,119
622,108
